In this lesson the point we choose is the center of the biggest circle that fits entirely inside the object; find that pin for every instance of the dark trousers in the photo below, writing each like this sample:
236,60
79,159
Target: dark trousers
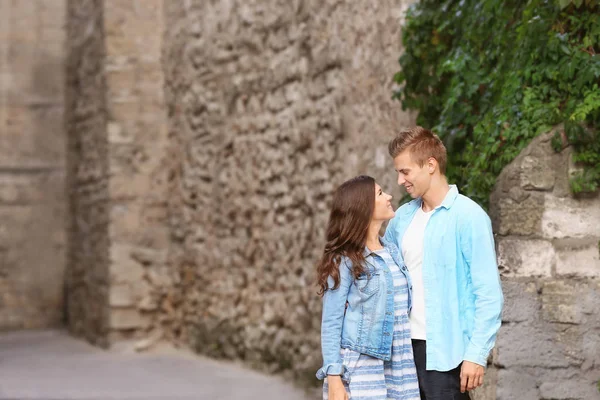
436,385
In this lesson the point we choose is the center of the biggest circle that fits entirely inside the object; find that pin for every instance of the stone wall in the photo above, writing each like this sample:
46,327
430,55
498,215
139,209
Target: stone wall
137,139
86,121
32,163
549,256
271,105
203,141
117,136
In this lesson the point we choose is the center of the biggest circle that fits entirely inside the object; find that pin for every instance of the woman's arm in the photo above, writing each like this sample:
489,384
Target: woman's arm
334,307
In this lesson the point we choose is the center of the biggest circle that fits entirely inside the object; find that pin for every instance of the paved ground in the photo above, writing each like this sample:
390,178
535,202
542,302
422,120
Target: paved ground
49,365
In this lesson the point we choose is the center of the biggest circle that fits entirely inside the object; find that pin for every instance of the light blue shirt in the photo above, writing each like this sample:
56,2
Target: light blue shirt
463,296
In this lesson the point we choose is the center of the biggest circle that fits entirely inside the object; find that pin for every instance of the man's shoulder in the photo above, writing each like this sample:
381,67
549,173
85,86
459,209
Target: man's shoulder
470,213
468,207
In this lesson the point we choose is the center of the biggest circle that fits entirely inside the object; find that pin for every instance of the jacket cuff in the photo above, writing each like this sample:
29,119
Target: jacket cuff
330,369
476,355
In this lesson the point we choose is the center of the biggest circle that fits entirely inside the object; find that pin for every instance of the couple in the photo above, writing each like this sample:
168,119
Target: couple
413,314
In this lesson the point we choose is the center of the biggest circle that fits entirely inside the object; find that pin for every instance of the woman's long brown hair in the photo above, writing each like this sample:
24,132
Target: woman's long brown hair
351,213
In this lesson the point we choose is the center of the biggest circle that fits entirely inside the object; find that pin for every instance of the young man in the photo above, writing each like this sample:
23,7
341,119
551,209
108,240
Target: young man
447,243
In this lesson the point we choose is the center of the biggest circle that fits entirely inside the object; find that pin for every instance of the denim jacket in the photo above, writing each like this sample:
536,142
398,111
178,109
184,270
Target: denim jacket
366,326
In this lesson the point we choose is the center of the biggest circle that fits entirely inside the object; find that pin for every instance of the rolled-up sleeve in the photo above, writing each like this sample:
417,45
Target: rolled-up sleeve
334,306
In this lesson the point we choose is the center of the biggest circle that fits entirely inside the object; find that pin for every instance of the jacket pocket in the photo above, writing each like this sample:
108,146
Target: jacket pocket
368,284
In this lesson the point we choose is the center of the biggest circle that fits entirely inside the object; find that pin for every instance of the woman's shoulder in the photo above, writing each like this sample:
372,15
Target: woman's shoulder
345,262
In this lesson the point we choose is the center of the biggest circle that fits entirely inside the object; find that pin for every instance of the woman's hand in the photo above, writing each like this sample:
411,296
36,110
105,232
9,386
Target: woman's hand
336,388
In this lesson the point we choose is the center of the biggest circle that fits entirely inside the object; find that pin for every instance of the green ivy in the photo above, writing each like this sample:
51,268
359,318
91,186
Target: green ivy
489,75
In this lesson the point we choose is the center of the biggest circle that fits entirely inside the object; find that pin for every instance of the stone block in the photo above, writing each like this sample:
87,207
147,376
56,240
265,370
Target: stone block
36,72
560,300
126,319
141,125
519,218
34,137
120,295
148,303
537,173
147,256
19,189
125,217
570,218
124,187
32,257
570,389
529,345
517,383
117,135
123,268
42,187
135,84
579,258
525,258
562,186
590,299
521,301
131,30
590,349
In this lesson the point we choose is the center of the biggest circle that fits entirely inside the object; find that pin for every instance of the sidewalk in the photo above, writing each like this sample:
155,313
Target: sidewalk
49,365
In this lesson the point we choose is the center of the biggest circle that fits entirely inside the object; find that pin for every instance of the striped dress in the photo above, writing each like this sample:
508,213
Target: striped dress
374,379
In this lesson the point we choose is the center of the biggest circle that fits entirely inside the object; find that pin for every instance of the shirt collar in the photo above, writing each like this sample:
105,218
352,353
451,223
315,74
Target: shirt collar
446,203
450,197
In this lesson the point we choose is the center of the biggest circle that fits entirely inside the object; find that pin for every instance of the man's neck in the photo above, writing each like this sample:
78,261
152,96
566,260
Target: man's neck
436,194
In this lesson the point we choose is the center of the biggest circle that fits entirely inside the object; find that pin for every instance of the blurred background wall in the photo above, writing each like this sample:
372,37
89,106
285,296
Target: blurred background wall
166,170
116,125
270,106
33,203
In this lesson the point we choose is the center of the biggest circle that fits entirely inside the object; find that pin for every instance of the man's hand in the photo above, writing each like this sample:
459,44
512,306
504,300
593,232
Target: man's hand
471,376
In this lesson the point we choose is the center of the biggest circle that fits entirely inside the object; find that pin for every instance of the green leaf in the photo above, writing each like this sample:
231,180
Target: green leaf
491,79
564,3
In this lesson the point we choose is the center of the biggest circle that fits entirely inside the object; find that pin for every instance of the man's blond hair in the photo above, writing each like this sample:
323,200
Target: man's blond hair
422,144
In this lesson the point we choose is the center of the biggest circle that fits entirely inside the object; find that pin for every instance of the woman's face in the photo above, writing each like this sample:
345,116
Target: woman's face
383,206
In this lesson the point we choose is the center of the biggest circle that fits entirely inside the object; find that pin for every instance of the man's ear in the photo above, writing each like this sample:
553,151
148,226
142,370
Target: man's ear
432,165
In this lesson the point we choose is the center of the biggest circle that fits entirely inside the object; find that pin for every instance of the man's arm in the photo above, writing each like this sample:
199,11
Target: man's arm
477,245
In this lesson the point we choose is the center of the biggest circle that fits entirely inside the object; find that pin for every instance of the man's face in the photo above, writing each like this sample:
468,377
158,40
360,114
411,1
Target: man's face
415,179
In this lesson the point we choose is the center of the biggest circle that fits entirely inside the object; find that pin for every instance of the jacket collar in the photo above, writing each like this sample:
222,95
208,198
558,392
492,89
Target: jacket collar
386,244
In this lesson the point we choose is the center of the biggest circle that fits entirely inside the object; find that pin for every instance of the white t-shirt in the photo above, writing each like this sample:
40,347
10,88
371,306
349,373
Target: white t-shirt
412,251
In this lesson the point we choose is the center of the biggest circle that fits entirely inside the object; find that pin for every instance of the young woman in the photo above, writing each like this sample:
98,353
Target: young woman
365,331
